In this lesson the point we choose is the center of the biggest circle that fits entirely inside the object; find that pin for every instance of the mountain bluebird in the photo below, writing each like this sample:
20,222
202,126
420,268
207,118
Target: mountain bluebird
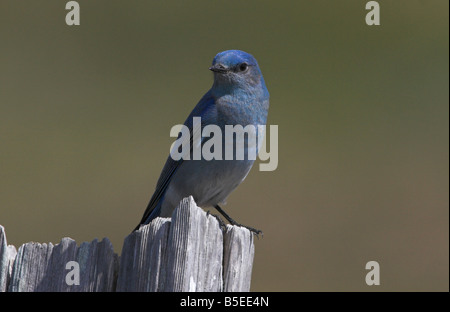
238,97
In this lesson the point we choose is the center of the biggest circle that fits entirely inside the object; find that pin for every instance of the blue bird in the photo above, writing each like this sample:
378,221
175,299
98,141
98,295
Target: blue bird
238,97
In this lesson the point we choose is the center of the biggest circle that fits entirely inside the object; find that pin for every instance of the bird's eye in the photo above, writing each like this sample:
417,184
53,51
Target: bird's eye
243,67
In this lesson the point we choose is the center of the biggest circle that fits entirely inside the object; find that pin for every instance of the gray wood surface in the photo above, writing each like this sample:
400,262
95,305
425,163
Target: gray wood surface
188,252
142,263
42,267
238,259
7,255
194,261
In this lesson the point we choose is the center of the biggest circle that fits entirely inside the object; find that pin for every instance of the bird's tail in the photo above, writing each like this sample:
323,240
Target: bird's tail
150,214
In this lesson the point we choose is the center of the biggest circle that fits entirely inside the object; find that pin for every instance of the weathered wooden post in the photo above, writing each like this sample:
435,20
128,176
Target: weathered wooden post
188,252
7,255
44,267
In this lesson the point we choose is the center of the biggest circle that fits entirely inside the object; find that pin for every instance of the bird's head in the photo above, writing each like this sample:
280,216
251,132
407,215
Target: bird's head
234,68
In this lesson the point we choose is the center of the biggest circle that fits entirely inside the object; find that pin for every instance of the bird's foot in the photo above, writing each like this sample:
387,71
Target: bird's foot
232,222
222,224
253,230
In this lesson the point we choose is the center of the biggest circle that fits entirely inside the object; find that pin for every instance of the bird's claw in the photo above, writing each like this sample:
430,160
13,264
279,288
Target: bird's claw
252,230
222,224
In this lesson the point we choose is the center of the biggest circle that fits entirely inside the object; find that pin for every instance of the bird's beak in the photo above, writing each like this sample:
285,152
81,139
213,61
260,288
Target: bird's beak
219,68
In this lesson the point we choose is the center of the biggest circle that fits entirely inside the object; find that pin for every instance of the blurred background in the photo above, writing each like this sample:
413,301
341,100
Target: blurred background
363,116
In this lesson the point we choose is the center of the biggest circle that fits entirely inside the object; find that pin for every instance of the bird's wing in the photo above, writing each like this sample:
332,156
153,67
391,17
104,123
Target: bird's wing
205,109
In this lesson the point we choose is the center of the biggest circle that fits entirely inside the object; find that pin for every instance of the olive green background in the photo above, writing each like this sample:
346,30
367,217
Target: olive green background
363,116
